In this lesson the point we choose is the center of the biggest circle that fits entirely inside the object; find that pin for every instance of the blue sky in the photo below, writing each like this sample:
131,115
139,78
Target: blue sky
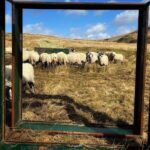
78,24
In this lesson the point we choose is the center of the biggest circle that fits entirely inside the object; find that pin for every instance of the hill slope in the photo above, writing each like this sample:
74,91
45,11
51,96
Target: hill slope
127,38
31,41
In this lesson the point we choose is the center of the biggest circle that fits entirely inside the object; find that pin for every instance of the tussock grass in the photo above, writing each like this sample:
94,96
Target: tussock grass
83,96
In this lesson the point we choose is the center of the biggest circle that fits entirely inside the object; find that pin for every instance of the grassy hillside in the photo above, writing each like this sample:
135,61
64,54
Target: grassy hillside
127,38
83,96
31,41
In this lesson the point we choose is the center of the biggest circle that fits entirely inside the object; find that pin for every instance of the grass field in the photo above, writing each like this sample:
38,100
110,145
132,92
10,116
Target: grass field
82,95
90,95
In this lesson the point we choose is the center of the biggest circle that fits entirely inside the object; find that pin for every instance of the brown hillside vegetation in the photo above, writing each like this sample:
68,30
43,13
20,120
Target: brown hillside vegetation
82,96
31,41
127,38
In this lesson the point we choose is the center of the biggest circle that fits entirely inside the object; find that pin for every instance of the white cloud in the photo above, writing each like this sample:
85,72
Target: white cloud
99,27
98,36
91,32
97,31
8,19
37,28
145,1
76,12
126,17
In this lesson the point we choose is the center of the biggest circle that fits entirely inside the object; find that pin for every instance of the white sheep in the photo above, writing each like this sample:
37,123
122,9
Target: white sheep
26,55
103,60
33,57
62,58
81,58
45,58
118,58
77,58
27,79
92,57
54,58
72,58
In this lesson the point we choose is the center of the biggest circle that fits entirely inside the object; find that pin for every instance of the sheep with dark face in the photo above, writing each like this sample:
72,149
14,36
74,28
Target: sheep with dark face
110,55
92,57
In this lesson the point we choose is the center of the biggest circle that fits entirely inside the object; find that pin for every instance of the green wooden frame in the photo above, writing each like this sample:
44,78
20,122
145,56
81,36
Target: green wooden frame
17,123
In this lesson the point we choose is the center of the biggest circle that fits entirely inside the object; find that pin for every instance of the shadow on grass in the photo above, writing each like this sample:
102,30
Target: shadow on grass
101,118
71,107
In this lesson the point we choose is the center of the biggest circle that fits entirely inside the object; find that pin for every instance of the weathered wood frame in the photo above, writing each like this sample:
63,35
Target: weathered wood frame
17,8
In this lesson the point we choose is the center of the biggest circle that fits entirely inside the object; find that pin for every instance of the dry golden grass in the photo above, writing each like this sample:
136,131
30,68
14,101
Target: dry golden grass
90,95
30,41
83,96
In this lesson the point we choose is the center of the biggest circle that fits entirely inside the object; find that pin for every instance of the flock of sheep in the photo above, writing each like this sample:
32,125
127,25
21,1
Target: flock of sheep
32,58
73,58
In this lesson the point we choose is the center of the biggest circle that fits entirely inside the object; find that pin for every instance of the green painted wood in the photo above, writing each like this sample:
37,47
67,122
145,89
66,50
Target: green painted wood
18,146
17,60
51,50
73,128
2,47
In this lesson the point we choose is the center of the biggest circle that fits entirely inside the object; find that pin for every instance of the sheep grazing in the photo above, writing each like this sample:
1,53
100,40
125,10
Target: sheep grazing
103,59
34,57
72,58
75,58
62,58
118,58
45,59
110,55
54,59
92,57
26,55
81,59
27,80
